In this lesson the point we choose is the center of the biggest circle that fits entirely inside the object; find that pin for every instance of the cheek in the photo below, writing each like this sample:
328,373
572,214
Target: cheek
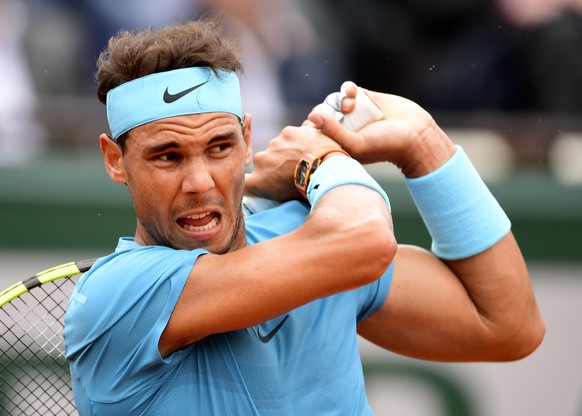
148,195
230,174
237,182
142,200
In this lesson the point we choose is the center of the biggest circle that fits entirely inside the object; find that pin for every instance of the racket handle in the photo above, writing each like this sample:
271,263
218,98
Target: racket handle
365,112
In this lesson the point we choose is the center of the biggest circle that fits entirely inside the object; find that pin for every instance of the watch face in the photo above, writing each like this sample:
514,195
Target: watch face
302,171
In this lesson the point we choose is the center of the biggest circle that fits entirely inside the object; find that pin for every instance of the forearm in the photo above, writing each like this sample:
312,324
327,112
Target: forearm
352,214
471,299
275,276
314,261
471,234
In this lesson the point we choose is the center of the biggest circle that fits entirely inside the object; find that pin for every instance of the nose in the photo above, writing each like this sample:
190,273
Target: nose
197,178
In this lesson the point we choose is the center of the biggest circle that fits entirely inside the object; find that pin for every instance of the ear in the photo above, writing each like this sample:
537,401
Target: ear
247,137
113,158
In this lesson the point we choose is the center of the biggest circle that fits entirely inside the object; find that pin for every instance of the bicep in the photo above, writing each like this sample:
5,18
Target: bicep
428,312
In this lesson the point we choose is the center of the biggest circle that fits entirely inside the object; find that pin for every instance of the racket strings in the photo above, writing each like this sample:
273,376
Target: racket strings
34,375
38,389
38,319
50,319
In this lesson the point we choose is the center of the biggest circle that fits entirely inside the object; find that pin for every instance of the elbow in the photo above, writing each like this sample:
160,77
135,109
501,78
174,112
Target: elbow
531,338
358,248
389,246
380,249
524,341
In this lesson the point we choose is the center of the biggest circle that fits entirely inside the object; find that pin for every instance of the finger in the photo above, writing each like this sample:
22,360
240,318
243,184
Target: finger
348,105
326,109
365,112
349,89
332,128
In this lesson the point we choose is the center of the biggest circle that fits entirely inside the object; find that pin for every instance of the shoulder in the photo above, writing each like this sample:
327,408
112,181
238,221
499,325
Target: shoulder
147,279
129,276
132,264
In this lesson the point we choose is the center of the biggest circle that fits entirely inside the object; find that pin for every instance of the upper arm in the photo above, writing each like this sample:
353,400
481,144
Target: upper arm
480,308
256,283
426,303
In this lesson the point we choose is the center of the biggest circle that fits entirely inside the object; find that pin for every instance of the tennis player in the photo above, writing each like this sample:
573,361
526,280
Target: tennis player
206,312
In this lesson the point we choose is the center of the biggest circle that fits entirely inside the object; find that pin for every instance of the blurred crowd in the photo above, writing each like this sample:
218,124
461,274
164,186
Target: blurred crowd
452,55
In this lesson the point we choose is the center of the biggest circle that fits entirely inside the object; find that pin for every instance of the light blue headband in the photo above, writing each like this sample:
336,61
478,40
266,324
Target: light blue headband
173,93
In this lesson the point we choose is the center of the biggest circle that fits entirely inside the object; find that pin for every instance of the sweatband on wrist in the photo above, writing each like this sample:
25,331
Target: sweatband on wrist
338,171
460,213
173,93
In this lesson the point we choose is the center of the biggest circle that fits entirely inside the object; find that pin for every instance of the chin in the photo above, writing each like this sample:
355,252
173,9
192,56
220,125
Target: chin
212,247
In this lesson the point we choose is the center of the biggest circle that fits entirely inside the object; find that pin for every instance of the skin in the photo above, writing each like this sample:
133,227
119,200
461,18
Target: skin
202,173
475,309
182,168
481,308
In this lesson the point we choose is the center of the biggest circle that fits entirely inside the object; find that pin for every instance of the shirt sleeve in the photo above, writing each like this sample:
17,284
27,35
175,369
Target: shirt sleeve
276,221
374,295
117,315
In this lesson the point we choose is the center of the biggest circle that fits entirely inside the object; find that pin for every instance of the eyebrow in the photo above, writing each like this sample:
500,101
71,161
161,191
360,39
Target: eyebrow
162,147
229,135
172,144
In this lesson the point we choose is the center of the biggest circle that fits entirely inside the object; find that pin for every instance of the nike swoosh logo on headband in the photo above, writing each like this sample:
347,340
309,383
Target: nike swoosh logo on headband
170,98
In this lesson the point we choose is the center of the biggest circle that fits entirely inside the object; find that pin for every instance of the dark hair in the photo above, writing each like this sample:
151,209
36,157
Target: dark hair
131,55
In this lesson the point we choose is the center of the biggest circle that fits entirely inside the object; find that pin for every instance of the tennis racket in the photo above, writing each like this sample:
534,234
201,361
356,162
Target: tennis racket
34,375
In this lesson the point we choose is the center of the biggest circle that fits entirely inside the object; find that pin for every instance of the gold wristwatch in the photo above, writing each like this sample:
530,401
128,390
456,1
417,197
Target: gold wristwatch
307,165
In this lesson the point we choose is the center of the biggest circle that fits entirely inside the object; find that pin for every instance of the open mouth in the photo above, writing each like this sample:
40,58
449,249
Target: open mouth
199,222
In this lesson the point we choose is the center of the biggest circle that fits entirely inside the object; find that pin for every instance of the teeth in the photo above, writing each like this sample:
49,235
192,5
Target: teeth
206,227
198,216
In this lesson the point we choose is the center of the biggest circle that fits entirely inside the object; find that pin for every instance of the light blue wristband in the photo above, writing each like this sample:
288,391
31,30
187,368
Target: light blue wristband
338,171
460,213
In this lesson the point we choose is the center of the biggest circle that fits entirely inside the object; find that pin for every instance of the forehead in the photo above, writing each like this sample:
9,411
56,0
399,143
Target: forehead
192,128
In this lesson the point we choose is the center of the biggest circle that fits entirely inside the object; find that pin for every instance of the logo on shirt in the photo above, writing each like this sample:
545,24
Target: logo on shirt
266,338
170,98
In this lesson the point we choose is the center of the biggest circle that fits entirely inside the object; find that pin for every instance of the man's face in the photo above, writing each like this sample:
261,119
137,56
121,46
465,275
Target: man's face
186,178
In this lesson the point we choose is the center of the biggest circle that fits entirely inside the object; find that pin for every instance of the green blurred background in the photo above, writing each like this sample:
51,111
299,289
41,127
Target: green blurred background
65,200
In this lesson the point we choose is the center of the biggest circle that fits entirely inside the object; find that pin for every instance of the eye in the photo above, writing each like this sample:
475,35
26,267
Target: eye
220,148
168,157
